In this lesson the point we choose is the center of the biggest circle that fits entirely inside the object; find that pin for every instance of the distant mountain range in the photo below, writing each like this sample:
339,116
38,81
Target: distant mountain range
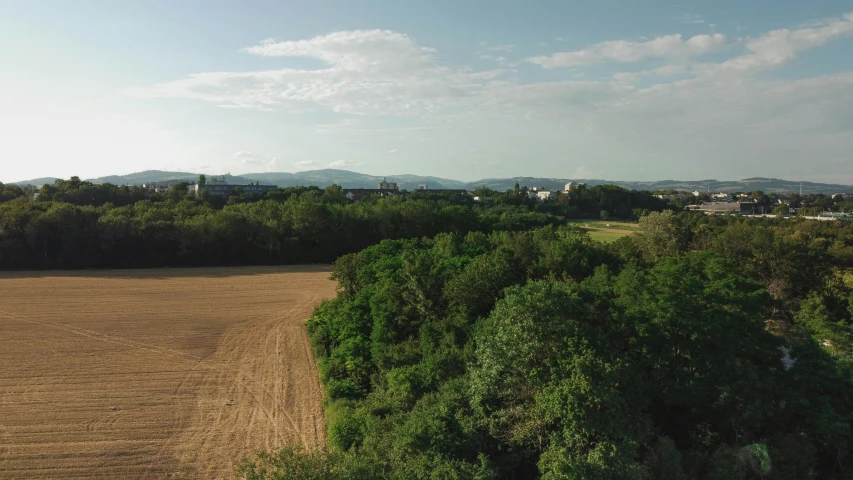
348,179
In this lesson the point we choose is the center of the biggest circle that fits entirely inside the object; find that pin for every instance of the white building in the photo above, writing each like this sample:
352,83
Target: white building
570,185
677,196
539,194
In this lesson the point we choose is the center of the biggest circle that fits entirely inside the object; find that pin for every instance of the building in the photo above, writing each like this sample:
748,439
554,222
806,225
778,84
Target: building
359,193
391,189
837,216
218,189
386,185
677,196
158,188
727,208
571,185
538,194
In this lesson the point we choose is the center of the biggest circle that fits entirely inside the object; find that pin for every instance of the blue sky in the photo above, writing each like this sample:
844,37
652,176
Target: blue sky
461,89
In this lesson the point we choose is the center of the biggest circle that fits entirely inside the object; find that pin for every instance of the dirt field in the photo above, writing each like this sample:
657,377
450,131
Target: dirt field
155,373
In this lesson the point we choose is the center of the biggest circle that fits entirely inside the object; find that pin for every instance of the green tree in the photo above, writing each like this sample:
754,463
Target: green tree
660,235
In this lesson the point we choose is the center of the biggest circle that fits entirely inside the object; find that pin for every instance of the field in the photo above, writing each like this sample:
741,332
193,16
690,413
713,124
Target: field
155,373
607,230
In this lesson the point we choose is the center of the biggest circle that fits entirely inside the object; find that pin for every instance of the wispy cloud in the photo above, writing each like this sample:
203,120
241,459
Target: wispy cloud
690,18
501,48
582,173
622,51
779,47
257,160
306,165
303,165
685,104
344,164
368,72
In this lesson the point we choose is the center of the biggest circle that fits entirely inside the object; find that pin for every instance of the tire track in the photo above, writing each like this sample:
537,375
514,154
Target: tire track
154,374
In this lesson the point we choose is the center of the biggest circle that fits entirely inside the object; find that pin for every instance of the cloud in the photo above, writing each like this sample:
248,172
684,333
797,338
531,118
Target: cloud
582,173
667,46
393,150
344,164
779,47
501,48
690,18
368,72
664,71
264,161
313,165
306,165
688,108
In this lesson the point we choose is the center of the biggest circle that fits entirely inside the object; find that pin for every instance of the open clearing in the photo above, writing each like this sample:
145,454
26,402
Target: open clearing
607,231
173,373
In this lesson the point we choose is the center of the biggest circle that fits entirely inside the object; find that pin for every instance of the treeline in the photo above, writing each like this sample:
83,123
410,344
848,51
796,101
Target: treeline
710,348
75,224
776,203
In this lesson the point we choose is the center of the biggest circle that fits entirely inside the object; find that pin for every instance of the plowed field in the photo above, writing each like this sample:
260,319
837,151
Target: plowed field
155,373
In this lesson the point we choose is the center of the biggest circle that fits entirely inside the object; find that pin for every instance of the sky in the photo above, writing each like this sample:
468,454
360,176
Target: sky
461,89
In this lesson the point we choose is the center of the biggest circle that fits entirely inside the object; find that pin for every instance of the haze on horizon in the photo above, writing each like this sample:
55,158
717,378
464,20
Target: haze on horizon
462,90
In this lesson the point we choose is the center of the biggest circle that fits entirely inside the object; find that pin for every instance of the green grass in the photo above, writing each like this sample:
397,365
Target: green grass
632,226
607,230
605,237
616,225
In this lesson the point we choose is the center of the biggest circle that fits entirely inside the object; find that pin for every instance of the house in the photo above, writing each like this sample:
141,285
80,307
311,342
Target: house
539,194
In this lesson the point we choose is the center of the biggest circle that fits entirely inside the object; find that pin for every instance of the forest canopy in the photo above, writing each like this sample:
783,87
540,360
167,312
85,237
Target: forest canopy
712,348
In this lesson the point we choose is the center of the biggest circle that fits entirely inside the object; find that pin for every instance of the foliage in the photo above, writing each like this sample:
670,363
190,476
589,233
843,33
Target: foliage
543,354
77,224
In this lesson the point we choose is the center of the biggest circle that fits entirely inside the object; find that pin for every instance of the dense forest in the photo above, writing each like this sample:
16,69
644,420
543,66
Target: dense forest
76,224
700,347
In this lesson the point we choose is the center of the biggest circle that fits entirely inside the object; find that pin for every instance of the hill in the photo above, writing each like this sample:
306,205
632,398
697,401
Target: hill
767,185
349,179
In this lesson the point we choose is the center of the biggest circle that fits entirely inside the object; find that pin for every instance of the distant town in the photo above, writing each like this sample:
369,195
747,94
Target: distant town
823,207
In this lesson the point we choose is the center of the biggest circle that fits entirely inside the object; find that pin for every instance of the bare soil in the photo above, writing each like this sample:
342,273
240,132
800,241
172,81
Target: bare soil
175,373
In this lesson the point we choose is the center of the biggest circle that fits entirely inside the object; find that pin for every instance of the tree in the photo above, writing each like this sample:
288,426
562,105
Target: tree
660,235
782,210
202,180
